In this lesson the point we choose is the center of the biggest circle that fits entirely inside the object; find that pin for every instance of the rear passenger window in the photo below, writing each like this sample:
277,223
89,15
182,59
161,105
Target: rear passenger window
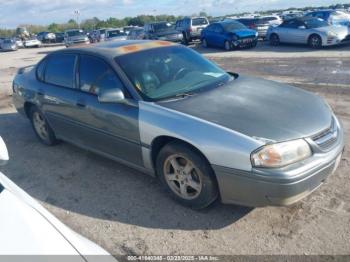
60,70
97,76
40,70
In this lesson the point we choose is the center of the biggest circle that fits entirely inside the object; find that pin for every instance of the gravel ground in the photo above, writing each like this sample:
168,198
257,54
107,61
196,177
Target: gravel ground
127,212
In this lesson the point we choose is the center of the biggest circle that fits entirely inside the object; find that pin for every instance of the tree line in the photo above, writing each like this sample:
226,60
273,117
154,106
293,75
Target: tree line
140,20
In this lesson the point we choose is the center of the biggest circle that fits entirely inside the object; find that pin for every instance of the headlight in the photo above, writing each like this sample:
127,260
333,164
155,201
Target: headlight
256,34
281,154
331,34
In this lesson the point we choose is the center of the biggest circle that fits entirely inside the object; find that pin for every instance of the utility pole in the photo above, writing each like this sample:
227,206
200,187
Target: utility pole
77,13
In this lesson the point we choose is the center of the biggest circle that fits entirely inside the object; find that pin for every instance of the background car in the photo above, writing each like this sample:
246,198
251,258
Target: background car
46,37
260,25
272,20
162,31
19,43
115,34
9,45
59,37
228,34
32,42
29,229
334,17
191,27
136,34
314,32
75,37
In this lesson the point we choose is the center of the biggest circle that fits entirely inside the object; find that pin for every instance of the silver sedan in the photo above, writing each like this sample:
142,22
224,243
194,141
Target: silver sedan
312,31
165,110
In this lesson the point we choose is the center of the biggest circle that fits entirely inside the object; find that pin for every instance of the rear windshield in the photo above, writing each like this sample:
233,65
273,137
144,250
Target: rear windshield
162,26
116,33
199,21
75,33
233,26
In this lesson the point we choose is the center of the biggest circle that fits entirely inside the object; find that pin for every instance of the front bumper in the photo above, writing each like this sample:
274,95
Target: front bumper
329,41
278,187
245,42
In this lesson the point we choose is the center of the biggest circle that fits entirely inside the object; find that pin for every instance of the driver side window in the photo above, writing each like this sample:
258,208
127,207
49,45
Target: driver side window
96,76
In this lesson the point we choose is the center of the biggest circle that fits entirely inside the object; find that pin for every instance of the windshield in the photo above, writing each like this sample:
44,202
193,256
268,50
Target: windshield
315,23
75,33
116,33
231,26
167,72
199,21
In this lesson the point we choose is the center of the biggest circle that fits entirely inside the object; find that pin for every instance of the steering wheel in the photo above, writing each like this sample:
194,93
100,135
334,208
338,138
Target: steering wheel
181,72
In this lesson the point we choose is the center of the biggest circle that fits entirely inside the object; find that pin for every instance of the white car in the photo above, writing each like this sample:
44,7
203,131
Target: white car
27,228
32,42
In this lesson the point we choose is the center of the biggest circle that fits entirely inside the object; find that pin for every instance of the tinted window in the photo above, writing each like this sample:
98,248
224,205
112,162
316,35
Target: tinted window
96,75
210,28
199,21
218,29
316,23
60,70
290,24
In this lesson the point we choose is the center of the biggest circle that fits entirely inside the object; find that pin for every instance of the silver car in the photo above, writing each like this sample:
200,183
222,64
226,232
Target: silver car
75,37
115,34
314,32
9,45
165,110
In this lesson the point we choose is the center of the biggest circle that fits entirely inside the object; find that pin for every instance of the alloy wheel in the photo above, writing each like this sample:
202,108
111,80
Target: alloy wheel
40,126
183,177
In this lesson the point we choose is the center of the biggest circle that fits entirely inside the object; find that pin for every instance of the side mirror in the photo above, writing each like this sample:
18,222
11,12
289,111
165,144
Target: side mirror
4,156
114,95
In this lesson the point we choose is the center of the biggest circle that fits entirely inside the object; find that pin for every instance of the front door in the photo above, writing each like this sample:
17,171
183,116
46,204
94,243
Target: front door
109,128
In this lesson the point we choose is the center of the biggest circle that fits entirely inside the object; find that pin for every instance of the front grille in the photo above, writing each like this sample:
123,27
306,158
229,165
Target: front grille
328,137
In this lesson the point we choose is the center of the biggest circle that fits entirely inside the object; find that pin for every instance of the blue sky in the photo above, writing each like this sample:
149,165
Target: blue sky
14,12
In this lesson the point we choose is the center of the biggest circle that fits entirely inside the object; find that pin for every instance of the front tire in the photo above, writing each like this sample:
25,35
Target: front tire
41,127
186,175
204,43
315,41
227,46
274,40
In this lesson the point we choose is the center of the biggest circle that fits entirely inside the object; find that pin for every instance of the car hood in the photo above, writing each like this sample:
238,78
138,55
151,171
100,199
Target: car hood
27,228
339,30
259,108
244,32
24,231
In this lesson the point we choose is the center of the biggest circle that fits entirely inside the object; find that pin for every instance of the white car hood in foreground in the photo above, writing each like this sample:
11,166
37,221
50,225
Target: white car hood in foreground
26,228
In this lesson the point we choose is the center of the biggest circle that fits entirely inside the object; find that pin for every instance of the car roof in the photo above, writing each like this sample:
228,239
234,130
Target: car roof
112,49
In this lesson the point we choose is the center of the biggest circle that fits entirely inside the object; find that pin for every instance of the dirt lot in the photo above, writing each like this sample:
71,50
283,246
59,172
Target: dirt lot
127,212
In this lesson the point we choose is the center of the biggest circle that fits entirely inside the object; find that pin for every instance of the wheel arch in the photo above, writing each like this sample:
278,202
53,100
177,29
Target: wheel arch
314,34
159,142
27,107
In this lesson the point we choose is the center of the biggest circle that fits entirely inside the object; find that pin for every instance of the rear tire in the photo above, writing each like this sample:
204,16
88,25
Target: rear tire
186,175
41,127
315,41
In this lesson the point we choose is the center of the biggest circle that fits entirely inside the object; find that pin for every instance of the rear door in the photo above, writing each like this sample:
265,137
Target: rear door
109,128
58,94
